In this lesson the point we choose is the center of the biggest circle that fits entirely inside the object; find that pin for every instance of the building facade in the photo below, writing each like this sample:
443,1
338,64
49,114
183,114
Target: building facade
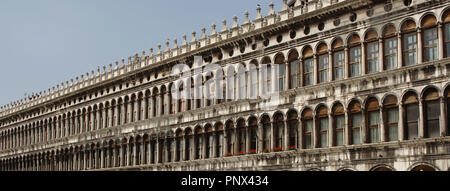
362,85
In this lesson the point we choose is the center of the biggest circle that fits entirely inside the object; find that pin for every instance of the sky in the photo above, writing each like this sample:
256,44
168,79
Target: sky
46,42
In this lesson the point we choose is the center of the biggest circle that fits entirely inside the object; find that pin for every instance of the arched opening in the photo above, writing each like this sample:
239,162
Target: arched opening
373,120
390,47
355,122
231,138
323,126
267,134
446,25
371,42
292,122
198,142
423,167
267,73
179,145
391,118
254,90
338,124
338,59
279,129
241,136
322,52
253,134
411,112
219,140
307,132
308,66
209,140
354,44
431,112
293,69
409,43
430,38
188,144
280,62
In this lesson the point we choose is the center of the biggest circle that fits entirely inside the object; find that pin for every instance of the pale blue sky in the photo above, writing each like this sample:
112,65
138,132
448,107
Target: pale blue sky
46,42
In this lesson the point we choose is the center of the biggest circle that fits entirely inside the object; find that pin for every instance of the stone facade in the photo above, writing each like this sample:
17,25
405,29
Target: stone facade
365,87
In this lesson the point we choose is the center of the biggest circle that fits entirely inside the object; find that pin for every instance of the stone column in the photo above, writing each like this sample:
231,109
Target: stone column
129,112
260,145
121,160
315,135
330,65
133,160
419,47
346,58
110,116
347,129
286,136
380,55
363,68
330,130
316,70
145,108
399,50
136,110
364,127
401,122
272,136
440,41
157,151
421,120
102,157
443,119
383,137
104,125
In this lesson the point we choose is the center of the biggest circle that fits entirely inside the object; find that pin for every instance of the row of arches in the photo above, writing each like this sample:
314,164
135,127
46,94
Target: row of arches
375,119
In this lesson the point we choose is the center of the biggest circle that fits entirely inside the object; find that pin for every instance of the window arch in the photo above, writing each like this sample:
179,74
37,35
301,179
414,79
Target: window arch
307,121
354,43
268,74
292,122
231,138
390,47
447,104
242,81
338,59
293,69
280,62
181,98
371,41
279,129
308,66
254,90
188,144
409,45
267,134
355,122
179,145
322,51
390,108
253,134
446,23
241,136
231,90
373,120
429,38
339,124
208,141
219,140
431,112
411,105
323,126
173,97
198,143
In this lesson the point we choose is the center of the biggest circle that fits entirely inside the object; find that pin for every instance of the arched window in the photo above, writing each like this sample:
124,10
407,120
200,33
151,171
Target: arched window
308,66
280,62
241,135
430,38
231,137
307,121
179,145
156,102
322,115
292,122
279,130
253,133
390,108
371,40
208,85
373,120
188,144
230,84
431,112
198,91
411,111
293,69
254,79
354,43
322,51
338,124
355,122
191,94
268,74
409,38
198,142
446,21
338,59
242,82
447,104
390,47
170,148
208,141
163,100
219,140
266,132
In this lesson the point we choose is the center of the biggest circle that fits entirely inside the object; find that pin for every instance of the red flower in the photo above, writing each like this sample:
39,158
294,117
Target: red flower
266,150
241,153
228,154
292,147
253,151
278,149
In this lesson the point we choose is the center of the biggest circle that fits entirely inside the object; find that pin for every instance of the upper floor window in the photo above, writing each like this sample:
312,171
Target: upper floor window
430,38
390,108
410,102
432,113
354,56
308,67
322,51
372,51
254,79
390,48
279,61
338,59
409,43
373,119
322,114
293,69
446,21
